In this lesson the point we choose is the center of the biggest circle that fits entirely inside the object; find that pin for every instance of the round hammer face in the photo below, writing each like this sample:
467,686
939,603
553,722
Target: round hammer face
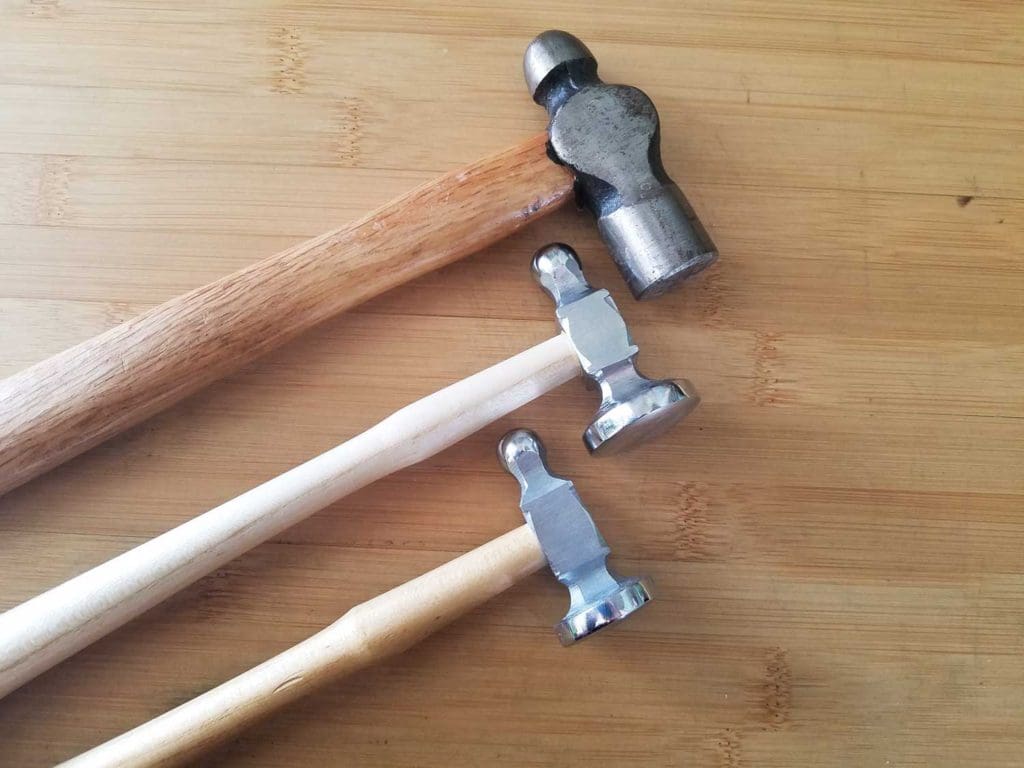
647,414
633,595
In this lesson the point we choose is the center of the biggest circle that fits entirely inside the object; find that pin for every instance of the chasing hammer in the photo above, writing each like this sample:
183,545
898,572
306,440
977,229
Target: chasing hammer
604,141
594,341
559,532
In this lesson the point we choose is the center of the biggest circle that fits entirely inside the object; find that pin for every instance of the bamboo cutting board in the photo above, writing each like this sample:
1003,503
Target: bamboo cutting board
837,534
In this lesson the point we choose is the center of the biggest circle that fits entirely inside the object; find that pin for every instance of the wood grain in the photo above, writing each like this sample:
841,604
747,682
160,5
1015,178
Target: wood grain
74,400
836,534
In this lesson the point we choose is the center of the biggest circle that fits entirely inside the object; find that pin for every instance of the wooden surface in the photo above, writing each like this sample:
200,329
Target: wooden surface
836,534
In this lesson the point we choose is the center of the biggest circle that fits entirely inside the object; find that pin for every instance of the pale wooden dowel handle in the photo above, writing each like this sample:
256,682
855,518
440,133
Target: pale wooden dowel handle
65,405
47,629
372,631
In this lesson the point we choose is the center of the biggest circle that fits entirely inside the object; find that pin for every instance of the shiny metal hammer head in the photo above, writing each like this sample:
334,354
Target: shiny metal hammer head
633,407
573,546
609,137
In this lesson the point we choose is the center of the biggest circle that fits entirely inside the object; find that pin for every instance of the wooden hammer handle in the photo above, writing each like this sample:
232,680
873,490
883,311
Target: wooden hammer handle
63,406
370,632
50,627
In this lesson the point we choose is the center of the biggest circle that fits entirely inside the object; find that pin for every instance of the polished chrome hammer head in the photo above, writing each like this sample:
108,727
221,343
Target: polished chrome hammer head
573,546
633,407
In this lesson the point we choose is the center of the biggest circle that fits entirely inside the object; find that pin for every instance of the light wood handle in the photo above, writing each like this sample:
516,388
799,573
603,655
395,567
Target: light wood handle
368,633
50,627
68,403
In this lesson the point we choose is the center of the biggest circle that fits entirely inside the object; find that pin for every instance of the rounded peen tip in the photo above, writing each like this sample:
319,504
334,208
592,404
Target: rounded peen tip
514,444
552,258
546,52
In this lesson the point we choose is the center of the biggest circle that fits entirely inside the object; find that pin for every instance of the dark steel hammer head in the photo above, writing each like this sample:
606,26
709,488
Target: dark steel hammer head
609,136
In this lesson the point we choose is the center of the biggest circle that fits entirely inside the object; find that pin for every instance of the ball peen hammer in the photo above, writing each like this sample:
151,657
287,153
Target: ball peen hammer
559,532
594,341
604,141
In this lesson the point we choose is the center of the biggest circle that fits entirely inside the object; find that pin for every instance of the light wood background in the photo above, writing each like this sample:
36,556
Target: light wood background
837,533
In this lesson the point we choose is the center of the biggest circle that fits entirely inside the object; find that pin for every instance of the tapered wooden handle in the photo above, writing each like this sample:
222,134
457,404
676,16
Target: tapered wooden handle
65,405
50,627
370,632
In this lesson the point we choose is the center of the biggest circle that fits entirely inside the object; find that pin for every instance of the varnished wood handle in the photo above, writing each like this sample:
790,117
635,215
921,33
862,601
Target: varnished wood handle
50,627
384,626
68,403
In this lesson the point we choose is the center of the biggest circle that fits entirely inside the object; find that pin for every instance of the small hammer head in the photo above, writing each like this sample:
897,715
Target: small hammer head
633,408
573,546
609,137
